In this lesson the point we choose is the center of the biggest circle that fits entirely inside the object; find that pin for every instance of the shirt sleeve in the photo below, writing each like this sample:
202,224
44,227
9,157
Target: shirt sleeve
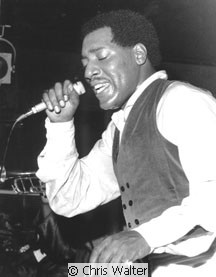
186,116
74,185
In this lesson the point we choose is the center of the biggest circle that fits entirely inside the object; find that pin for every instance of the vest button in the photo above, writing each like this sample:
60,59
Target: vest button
129,225
130,203
136,221
124,206
127,185
122,189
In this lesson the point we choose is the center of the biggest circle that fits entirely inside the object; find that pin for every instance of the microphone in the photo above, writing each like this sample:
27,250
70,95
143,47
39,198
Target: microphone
78,87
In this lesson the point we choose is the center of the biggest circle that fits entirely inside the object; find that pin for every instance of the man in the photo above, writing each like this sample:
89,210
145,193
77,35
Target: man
158,152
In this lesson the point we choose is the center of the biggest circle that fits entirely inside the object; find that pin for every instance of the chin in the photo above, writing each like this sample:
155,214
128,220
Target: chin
108,107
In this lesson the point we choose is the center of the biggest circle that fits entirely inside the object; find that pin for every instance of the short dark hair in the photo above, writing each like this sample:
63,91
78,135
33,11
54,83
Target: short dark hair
128,28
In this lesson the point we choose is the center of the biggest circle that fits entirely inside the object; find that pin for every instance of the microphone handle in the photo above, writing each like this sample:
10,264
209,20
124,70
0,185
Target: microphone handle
38,108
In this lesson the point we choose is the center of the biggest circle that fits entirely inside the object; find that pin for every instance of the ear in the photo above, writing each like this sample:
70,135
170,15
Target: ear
140,53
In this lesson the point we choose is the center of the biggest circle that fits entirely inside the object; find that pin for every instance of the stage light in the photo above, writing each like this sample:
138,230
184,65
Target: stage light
7,58
5,68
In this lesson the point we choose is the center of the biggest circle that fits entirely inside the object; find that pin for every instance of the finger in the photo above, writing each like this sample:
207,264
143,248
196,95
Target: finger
67,89
54,101
118,257
117,252
110,252
94,255
106,256
46,100
98,250
59,94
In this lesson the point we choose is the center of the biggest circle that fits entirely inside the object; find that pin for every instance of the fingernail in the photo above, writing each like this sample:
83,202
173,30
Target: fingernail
50,107
62,103
57,109
65,97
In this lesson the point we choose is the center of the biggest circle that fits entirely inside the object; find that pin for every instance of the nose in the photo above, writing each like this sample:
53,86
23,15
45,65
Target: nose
91,71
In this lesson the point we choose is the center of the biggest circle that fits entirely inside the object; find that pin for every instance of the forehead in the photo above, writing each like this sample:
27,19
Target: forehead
99,38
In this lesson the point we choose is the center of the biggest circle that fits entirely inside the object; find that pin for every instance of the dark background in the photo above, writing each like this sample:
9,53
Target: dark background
45,34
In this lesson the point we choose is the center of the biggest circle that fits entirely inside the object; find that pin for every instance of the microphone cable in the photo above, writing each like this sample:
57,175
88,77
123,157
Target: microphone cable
78,87
6,148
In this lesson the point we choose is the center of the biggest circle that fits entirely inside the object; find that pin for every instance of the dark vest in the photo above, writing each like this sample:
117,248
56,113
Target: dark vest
147,166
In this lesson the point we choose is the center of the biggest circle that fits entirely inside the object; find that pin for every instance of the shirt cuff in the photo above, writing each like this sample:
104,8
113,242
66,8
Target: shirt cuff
60,139
52,127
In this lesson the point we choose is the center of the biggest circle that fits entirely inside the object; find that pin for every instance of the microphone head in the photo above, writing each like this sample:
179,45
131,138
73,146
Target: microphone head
79,88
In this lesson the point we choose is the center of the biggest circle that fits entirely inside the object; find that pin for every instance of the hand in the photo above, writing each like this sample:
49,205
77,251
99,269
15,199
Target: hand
61,101
120,247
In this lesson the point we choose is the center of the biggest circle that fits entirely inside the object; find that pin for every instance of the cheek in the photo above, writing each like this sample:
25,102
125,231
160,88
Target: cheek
118,77
118,70
121,76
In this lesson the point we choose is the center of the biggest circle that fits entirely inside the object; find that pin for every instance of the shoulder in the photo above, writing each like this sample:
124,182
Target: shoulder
184,106
182,95
178,90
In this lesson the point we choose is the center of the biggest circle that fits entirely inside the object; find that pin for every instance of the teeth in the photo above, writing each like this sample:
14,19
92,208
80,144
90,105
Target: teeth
100,87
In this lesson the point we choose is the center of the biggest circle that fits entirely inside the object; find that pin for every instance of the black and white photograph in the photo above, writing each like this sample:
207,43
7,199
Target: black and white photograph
107,138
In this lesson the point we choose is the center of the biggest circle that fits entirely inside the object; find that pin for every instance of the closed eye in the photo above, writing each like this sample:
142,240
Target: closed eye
102,58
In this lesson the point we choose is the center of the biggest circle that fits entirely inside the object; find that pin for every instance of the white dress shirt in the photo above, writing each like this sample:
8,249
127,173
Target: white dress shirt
187,118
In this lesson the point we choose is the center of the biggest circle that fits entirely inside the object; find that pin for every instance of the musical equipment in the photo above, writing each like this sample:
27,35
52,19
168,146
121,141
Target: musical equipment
22,196
22,183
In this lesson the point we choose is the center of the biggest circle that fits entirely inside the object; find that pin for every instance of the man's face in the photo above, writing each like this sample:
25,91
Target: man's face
111,70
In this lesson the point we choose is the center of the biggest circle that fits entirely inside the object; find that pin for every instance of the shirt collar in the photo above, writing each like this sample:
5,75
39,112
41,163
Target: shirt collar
121,116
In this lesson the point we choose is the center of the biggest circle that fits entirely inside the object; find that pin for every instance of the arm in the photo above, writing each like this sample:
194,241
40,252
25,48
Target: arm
74,185
187,118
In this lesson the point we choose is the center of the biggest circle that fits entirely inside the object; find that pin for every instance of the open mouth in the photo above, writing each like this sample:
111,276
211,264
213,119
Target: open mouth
99,88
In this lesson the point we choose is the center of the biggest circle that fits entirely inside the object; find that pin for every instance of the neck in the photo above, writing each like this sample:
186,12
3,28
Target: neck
146,71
